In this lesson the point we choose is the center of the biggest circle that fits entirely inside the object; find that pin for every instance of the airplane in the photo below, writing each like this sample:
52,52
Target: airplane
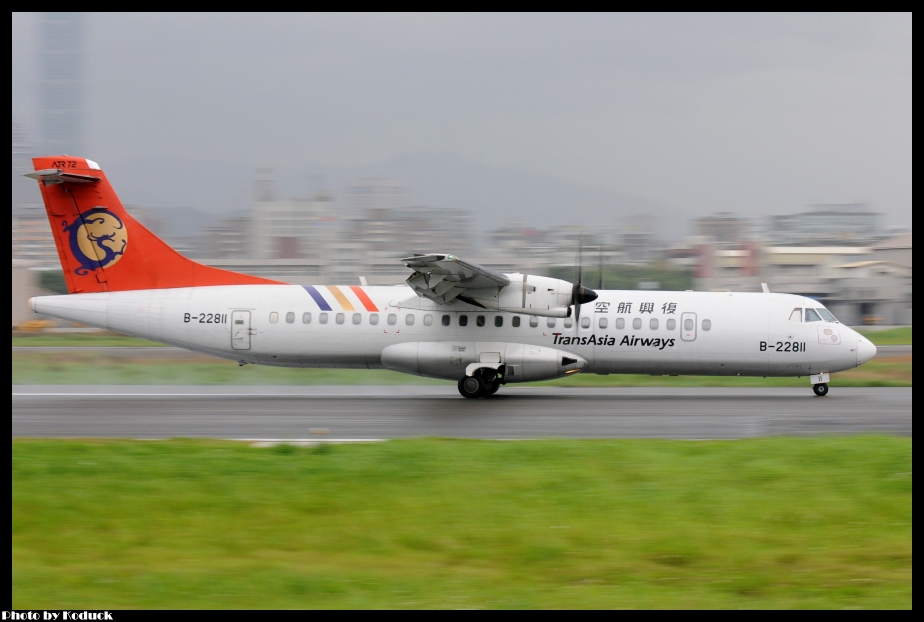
453,319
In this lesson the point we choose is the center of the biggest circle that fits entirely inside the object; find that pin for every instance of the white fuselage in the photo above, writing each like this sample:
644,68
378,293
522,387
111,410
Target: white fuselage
621,332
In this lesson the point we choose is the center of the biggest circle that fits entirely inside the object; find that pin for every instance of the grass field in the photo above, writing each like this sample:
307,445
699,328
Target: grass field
899,336
884,337
766,523
98,368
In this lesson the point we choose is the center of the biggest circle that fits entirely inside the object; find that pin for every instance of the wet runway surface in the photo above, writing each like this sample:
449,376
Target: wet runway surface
366,412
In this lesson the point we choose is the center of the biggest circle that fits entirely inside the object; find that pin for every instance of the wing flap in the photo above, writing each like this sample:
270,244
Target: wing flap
443,278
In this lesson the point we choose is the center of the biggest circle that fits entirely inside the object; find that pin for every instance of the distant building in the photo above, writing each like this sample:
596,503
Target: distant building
845,224
30,237
856,286
61,83
375,193
384,235
722,228
896,249
228,239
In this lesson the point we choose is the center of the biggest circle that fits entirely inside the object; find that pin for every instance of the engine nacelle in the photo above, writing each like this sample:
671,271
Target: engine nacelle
451,360
527,294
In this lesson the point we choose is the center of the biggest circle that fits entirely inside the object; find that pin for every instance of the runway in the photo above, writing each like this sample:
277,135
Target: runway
368,412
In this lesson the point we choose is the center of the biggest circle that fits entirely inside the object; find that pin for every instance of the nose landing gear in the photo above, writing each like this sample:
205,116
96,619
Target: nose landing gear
820,383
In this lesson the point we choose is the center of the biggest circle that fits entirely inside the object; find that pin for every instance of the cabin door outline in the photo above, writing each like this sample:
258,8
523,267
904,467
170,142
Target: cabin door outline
240,330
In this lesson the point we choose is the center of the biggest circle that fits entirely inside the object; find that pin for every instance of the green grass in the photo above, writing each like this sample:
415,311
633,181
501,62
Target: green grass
900,336
100,368
65,340
766,523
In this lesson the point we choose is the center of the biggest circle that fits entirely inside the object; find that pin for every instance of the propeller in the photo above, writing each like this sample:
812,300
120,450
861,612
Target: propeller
600,285
579,293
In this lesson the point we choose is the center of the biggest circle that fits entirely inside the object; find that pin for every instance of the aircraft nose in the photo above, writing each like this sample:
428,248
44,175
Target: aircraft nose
865,350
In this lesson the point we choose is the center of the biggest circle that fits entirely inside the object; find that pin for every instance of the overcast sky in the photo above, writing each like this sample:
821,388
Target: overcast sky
755,114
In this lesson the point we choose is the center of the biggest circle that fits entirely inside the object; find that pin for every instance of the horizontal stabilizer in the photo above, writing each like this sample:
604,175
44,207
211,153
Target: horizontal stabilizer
51,176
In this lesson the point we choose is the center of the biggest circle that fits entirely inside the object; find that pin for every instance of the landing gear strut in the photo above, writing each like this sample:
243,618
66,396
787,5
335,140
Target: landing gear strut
821,389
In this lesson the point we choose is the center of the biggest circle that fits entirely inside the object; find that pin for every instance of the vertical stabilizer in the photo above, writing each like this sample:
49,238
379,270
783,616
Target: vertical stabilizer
101,247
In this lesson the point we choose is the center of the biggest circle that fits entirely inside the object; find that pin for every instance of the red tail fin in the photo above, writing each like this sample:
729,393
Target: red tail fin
102,248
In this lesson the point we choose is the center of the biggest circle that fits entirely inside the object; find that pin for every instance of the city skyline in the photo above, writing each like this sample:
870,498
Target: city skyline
693,115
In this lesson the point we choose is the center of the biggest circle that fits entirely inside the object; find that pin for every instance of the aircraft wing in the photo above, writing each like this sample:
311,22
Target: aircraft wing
444,278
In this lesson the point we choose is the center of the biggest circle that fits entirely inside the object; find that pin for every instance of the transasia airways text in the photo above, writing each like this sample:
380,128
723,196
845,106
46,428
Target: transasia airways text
628,340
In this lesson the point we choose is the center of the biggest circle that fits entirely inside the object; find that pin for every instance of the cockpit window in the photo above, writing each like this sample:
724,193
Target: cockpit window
826,315
812,316
796,315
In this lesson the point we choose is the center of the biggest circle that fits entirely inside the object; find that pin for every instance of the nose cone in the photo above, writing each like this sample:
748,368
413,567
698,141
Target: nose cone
865,350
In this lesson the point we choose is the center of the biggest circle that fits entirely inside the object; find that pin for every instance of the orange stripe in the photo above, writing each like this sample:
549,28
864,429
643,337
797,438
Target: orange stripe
344,302
364,298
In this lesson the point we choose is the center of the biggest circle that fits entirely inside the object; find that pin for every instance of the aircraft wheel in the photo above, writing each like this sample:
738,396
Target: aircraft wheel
492,388
471,386
821,390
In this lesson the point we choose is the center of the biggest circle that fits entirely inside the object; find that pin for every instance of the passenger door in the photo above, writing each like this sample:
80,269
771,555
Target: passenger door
240,330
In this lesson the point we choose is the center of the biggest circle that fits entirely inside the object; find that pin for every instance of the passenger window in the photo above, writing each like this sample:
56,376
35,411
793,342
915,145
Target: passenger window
620,323
498,320
479,320
653,324
688,324
428,320
637,323
274,317
602,323
585,322
322,318
812,316
568,322
446,320
290,317
306,318
374,319
463,320
796,315
671,324
340,318
707,324
550,322
392,319
357,318
534,321
515,322
409,319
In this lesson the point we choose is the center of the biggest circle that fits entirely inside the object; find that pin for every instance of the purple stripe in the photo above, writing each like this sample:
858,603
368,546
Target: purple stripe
318,298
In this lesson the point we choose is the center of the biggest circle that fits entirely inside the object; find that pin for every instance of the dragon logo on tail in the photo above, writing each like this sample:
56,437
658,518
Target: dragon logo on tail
98,239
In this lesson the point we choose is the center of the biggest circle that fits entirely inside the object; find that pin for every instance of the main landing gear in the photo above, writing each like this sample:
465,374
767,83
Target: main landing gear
821,389
484,383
